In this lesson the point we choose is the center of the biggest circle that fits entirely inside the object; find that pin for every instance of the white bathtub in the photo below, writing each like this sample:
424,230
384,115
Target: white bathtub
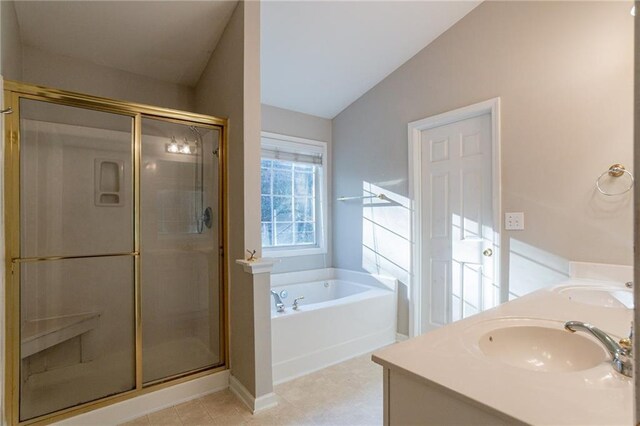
343,314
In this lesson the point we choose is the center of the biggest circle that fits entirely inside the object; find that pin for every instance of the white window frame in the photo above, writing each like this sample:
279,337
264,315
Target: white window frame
292,143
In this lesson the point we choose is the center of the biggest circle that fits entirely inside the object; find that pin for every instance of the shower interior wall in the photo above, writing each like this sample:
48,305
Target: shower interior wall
180,256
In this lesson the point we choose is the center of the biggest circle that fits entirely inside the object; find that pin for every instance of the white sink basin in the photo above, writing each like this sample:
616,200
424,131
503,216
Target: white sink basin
606,297
541,348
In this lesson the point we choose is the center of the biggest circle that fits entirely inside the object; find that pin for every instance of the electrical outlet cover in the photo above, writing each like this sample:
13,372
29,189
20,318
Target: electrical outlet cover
514,221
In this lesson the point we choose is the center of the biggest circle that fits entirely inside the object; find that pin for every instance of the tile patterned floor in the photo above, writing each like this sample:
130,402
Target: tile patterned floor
349,393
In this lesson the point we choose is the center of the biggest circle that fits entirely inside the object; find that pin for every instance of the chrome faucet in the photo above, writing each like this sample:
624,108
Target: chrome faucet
277,301
295,302
621,355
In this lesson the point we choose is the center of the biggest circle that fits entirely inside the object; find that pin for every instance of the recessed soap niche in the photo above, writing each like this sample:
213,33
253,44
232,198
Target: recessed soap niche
108,180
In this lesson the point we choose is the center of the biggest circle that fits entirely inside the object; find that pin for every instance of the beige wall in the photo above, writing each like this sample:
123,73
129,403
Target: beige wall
63,72
563,71
292,123
11,55
252,126
229,87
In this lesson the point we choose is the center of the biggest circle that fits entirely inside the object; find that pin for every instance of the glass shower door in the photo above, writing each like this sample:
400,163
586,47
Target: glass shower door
76,264
179,243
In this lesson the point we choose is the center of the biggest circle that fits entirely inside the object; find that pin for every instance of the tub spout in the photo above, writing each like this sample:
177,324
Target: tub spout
277,301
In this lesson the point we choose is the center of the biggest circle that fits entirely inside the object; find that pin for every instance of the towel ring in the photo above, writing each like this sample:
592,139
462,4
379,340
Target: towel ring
615,171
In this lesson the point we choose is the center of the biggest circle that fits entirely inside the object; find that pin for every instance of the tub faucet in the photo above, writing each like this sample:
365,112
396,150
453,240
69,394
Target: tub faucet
621,355
296,305
277,301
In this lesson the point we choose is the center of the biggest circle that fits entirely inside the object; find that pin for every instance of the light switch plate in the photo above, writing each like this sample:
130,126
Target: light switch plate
514,221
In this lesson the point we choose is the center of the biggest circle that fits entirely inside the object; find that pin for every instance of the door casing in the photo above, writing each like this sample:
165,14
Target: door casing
415,128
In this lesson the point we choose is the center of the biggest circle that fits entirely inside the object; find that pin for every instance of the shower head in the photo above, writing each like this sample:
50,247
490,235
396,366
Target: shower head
198,135
195,130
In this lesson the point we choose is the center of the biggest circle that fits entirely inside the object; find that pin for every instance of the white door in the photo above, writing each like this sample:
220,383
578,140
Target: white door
457,222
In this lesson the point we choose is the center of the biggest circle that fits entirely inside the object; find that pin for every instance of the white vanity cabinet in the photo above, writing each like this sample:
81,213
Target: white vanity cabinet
412,401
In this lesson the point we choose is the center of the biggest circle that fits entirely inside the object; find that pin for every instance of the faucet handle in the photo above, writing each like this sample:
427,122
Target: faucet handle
295,302
625,343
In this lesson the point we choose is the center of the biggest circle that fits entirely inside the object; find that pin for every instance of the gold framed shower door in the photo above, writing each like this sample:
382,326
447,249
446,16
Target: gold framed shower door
13,93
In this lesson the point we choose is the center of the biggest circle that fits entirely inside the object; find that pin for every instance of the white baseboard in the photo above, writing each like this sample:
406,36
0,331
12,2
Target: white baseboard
254,404
130,409
266,401
401,337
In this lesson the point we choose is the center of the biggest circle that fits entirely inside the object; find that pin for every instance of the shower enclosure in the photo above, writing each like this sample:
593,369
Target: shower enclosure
114,245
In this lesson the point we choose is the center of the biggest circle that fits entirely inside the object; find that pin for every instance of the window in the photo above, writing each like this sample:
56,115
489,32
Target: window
293,195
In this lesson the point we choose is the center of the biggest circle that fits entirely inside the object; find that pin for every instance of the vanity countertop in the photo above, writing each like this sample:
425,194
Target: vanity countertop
450,359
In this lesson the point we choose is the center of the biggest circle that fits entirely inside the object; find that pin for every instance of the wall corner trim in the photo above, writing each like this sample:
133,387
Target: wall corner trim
254,404
258,266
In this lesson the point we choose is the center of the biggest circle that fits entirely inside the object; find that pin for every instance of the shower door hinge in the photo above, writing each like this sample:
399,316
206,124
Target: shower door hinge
216,152
221,251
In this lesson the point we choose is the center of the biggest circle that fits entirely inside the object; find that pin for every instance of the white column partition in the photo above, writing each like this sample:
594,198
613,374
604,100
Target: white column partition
260,269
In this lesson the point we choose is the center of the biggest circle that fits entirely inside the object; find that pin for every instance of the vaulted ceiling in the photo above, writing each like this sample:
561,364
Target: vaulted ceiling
317,57
165,40
320,56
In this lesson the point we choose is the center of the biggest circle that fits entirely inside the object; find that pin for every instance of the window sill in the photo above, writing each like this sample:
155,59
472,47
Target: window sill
292,252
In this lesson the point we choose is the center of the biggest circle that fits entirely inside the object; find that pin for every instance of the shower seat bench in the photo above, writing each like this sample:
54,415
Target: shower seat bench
41,334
